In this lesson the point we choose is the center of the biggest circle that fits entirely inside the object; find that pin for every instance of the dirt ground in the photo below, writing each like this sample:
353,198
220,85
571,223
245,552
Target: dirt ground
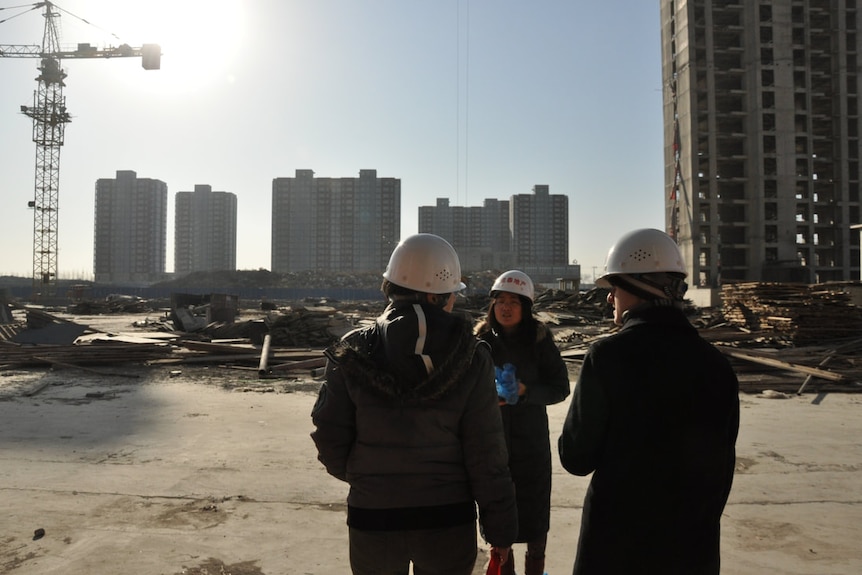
212,471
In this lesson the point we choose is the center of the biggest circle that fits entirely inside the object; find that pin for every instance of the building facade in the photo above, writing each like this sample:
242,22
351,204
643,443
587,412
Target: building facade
761,130
204,231
130,231
480,234
334,224
540,228
529,232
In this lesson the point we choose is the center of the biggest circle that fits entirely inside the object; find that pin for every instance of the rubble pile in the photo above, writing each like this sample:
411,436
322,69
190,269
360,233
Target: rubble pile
778,335
795,314
589,306
309,326
113,304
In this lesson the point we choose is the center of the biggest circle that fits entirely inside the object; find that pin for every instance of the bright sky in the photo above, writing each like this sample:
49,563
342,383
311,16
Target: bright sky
465,100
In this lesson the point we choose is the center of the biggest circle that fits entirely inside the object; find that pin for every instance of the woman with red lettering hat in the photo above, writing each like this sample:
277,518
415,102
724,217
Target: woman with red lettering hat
531,375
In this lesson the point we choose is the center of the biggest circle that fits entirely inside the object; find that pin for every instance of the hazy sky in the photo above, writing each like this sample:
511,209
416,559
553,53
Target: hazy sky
465,100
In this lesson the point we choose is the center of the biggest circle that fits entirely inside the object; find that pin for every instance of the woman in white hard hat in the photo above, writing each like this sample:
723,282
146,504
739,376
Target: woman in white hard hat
541,378
654,417
408,417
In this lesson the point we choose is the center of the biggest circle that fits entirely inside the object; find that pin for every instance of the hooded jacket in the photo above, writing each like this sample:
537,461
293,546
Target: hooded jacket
408,417
654,417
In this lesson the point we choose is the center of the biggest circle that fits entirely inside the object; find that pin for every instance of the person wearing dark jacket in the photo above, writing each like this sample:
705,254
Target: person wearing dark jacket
518,340
654,417
408,417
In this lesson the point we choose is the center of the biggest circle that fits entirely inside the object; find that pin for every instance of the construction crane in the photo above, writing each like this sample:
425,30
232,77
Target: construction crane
50,117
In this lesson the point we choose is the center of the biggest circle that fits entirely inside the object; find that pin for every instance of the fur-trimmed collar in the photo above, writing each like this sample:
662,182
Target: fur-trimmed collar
362,355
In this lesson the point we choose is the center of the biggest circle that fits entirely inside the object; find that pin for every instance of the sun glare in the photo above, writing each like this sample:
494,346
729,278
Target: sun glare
199,39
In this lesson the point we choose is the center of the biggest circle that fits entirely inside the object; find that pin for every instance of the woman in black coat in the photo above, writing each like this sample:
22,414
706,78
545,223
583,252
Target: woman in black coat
540,379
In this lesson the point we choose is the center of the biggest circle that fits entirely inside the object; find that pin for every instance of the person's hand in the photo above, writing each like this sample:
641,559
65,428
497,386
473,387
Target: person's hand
507,383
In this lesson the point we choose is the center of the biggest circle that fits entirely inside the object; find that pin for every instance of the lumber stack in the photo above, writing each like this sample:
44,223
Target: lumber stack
797,314
100,353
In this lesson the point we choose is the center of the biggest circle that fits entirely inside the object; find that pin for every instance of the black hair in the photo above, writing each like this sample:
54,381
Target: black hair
396,292
393,291
526,330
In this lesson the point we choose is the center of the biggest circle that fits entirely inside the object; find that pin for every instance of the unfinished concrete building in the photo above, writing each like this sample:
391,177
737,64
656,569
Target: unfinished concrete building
761,130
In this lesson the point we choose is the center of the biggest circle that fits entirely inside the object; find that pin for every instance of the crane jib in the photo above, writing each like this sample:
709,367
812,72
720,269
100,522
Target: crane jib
49,117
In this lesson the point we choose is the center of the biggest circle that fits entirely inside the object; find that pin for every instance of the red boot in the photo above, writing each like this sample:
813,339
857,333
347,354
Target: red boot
496,568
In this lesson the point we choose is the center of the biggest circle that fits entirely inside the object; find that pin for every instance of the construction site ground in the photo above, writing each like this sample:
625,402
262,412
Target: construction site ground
202,469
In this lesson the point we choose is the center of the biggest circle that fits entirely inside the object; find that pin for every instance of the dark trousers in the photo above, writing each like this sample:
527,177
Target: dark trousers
449,551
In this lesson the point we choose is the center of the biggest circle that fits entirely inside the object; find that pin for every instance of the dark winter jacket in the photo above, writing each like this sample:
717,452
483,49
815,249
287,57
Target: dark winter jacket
654,416
408,416
546,379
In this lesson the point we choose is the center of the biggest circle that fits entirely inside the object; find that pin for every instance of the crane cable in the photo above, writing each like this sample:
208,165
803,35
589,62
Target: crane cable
88,23
30,8
675,186
678,191
458,105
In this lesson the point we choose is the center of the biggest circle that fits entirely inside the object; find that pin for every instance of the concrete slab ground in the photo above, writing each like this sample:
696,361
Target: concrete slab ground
206,472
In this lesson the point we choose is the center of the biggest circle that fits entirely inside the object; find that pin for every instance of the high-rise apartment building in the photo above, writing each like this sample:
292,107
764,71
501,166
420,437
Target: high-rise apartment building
334,224
529,232
204,231
485,226
130,232
540,228
761,129
480,234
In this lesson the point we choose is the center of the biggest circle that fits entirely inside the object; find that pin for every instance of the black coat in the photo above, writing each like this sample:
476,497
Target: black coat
654,416
543,372
408,417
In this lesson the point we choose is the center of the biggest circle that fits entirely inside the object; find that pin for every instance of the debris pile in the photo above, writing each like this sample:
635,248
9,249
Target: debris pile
311,326
795,314
792,334
112,304
589,306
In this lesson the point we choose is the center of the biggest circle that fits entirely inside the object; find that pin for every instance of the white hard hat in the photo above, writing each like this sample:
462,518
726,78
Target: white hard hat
516,282
642,251
425,263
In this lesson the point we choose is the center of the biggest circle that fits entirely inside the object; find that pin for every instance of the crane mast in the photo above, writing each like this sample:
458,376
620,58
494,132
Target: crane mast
49,125
50,117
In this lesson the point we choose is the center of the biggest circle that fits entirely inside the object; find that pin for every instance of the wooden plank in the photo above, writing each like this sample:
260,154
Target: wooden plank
293,365
772,362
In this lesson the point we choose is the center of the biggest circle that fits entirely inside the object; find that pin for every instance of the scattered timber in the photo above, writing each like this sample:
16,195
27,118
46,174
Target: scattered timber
781,337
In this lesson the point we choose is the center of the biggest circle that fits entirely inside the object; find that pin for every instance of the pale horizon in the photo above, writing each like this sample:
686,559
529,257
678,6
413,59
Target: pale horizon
459,100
